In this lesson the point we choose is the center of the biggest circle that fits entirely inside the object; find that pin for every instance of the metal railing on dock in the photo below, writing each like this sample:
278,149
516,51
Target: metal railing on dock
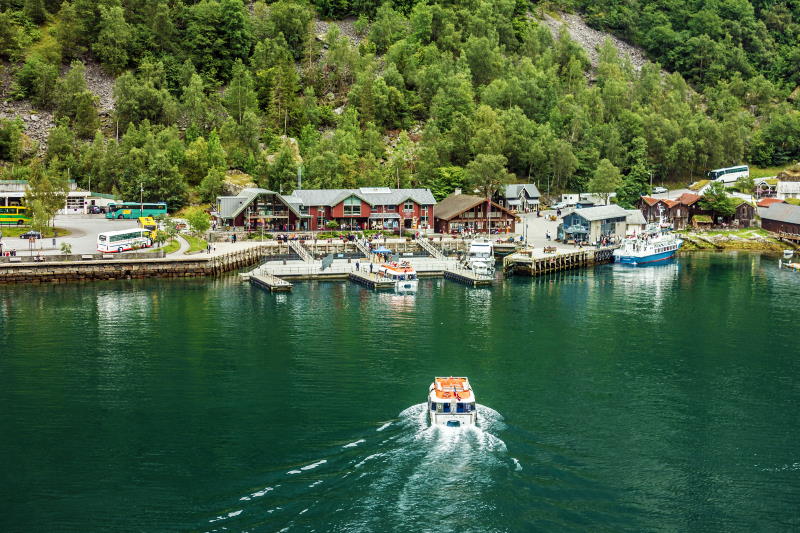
431,249
301,250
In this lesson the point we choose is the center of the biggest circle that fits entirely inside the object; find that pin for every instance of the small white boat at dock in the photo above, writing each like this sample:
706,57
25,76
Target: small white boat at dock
402,273
480,258
451,402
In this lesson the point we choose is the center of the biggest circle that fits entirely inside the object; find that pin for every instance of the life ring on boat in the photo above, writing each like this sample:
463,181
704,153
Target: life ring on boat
445,395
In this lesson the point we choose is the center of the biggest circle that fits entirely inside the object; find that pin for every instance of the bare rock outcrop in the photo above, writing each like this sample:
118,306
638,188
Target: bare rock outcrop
591,40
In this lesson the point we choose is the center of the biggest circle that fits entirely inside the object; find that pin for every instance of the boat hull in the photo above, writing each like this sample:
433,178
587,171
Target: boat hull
634,260
454,420
406,286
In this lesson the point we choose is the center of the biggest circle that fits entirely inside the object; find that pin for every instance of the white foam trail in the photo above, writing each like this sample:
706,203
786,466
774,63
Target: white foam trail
294,472
315,483
314,465
354,444
386,425
367,458
517,466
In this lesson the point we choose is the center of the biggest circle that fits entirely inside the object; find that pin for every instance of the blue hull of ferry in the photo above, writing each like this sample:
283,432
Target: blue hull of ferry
647,259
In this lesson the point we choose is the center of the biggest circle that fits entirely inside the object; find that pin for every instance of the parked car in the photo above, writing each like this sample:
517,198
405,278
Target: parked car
32,234
559,205
659,190
96,210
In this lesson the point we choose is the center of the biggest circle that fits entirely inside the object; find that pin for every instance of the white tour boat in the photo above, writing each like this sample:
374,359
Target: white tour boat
403,275
654,244
451,402
480,258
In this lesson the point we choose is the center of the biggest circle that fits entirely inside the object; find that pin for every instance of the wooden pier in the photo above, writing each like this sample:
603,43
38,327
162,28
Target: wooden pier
467,277
536,264
371,281
270,282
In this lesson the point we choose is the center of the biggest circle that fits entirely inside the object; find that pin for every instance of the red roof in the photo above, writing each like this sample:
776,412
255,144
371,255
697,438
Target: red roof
649,200
688,198
766,202
670,203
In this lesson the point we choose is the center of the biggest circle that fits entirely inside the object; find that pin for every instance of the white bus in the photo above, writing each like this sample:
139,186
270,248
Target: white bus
125,239
730,174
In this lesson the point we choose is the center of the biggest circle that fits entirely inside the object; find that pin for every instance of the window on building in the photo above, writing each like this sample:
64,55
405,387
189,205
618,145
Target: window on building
391,207
408,206
352,206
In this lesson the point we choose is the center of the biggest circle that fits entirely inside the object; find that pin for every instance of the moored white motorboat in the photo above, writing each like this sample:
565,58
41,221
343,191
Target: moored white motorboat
402,273
451,402
480,258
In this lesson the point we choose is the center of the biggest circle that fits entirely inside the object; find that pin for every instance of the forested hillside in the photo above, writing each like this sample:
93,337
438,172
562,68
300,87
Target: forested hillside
434,94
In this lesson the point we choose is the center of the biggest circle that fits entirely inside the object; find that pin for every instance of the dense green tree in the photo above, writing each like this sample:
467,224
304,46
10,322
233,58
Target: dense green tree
35,80
45,193
606,179
216,35
114,39
240,96
11,139
716,199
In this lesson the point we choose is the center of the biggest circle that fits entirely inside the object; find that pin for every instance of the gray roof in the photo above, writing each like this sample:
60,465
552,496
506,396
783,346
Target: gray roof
781,212
602,212
371,195
635,217
231,206
514,190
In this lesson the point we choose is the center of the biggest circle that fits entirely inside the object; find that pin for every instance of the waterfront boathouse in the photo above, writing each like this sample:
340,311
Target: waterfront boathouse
591,223
780,218
464,212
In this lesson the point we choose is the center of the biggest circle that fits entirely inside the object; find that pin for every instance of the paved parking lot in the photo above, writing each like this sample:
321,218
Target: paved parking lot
83,234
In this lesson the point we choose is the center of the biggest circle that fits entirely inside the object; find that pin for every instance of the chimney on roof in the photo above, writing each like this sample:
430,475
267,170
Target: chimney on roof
457,191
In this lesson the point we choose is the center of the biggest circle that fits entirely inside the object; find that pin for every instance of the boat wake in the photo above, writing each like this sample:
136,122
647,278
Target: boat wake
404,472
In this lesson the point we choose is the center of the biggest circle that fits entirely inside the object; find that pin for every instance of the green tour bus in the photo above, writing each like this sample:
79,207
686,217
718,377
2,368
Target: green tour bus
135,210
14,214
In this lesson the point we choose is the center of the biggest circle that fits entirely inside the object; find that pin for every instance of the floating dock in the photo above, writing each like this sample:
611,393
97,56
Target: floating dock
371,281
270,282
467,277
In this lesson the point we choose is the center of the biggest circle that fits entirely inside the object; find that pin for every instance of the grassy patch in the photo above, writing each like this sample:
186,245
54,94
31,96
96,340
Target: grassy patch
196,244
767,172
171,246
16,231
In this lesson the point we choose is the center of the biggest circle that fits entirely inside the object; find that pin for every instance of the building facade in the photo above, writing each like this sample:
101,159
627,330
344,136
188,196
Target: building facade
12,192
459,213
315,209
780,218
590,224
378,208
520,197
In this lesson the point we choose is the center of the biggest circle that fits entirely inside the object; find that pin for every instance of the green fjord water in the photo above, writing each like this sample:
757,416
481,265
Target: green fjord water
618,399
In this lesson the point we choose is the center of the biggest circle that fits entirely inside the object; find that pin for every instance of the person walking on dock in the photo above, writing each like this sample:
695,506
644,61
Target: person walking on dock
357,267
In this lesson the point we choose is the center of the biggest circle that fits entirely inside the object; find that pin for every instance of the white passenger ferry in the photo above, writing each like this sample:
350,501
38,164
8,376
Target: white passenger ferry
451,402
480,258
654,244
403,275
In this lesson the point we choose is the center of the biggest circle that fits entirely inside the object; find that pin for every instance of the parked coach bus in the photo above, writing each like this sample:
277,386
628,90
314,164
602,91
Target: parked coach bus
729,174
135,210
121,240
14,214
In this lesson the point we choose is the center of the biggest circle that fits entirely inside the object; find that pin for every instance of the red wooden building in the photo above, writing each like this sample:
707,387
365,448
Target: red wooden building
464,212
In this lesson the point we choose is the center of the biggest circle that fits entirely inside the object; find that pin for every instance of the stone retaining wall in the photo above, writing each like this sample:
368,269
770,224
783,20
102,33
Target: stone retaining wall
110,269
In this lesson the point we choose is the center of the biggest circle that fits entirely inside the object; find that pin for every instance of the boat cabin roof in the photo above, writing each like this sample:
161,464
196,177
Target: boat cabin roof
403,266
452,388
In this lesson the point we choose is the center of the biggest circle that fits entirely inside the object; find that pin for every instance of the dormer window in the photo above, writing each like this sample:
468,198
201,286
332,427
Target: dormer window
352,206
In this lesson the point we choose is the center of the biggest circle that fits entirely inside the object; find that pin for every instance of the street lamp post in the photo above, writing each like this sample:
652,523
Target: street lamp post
141,199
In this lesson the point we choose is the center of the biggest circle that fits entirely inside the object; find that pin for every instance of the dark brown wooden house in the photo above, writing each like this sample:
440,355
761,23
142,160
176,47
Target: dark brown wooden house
780,218
464,212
